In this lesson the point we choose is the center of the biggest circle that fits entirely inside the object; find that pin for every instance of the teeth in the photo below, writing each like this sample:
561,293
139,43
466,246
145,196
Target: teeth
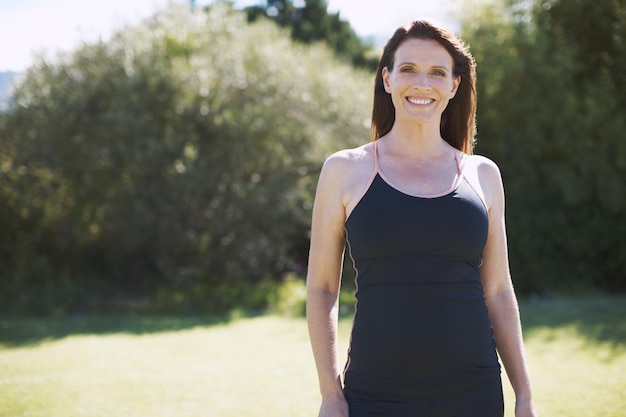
419,101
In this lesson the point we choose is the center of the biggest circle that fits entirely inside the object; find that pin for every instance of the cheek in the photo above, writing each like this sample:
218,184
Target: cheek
447,88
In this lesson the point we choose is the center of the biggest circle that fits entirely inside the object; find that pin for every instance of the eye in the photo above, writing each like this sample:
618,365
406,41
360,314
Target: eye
439,73
406,69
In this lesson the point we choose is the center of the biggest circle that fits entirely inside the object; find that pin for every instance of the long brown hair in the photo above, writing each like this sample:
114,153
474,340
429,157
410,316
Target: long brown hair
458,121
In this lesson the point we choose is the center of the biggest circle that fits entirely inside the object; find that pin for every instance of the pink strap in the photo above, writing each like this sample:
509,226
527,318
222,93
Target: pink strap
376,169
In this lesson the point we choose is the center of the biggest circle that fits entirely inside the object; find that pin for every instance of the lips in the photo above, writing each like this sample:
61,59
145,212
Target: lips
420,101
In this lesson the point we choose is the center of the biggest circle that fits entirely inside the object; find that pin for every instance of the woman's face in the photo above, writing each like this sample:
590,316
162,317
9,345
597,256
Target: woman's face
421,82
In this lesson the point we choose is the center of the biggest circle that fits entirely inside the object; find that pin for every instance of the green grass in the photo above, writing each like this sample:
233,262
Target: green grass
262,366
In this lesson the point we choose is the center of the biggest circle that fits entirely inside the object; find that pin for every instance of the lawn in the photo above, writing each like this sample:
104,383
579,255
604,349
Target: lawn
262,366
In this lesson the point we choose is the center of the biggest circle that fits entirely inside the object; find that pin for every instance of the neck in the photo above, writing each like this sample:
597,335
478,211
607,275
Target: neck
421,140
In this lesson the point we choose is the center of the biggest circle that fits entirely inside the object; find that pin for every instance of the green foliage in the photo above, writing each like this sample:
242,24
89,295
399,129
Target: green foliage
310,22
548,114
289,298
176,162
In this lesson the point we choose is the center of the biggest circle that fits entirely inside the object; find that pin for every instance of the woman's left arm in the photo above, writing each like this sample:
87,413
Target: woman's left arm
499,293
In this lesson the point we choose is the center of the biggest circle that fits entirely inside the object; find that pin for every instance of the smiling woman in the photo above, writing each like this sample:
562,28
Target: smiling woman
421,82
423,219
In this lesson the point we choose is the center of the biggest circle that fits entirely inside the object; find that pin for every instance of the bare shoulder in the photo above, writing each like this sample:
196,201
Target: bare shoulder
346,173
483,164
348,159
485,176
349,165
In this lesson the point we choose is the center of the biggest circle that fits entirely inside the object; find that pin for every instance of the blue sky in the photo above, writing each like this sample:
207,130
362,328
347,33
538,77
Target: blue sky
45,26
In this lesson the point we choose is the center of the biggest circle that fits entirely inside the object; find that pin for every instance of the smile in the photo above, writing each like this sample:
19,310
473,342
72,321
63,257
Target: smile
422,101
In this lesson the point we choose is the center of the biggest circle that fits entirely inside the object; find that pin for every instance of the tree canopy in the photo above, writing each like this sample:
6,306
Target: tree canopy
551,95
174,165
175,162
309,22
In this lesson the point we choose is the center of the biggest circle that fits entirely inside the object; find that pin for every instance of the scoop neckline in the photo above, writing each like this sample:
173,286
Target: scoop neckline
455,184
451,190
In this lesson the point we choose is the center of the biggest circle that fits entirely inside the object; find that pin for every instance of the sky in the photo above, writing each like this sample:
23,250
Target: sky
47,26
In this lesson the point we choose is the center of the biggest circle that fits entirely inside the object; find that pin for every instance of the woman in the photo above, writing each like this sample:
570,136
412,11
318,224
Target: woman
424,223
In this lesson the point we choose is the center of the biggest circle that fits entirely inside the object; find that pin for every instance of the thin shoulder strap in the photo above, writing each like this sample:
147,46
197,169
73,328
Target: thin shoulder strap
376,166
470,173
460,158
369,182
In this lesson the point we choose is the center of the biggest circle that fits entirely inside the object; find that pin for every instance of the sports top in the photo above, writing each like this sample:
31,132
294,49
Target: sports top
421,325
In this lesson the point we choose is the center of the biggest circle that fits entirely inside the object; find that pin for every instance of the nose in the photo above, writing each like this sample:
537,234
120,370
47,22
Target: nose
421,82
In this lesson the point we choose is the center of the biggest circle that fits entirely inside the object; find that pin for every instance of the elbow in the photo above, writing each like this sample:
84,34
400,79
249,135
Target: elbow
321,299
314,293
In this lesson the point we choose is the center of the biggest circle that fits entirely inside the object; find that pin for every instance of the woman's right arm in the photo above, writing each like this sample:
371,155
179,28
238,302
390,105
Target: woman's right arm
323,283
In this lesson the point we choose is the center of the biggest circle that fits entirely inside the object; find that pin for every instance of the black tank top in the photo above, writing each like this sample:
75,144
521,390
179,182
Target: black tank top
421,326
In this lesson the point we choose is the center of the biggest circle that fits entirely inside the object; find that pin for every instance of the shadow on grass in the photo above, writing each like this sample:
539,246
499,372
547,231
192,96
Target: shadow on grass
18,332
596,318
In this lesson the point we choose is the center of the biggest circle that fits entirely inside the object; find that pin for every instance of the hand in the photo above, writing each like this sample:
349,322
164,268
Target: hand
334,406
525,408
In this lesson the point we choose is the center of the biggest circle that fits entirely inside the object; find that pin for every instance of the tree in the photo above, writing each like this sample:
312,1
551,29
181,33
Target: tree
309,21
176,162
547,114
596,31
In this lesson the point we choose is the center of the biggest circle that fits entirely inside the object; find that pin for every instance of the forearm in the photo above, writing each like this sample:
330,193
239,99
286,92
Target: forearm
322,316
505,319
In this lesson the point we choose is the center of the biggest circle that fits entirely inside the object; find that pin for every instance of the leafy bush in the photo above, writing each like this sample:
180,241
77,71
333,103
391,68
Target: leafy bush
176,161
548,114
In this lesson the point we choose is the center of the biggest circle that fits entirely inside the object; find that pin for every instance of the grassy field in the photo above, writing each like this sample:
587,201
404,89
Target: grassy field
262,366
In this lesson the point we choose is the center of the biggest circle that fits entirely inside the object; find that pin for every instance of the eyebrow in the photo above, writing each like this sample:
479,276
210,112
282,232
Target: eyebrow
432,66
